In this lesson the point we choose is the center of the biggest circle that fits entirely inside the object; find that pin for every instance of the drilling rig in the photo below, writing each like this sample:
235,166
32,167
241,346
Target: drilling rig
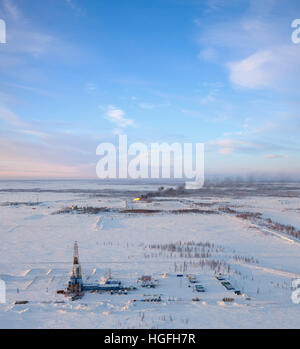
75,285
76,288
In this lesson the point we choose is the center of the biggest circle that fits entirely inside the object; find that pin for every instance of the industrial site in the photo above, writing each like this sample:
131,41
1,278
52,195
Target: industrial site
85,255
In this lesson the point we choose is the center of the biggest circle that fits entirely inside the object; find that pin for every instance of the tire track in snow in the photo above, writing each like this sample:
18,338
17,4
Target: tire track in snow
272,270
30,283
281,236
14,228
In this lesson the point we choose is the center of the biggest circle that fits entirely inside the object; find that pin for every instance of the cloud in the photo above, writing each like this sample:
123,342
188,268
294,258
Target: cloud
253,71
276,156
74,6
10,117
245,33
23,159
208,99
116,116
38,134
31,89
268,68
21,36
26,41
208,54
255,45
41,150
147,106
227,146
214,5
11,9
17,125
150,106
255,146
249,130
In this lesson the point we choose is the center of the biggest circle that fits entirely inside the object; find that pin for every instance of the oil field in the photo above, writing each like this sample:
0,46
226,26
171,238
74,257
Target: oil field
223,256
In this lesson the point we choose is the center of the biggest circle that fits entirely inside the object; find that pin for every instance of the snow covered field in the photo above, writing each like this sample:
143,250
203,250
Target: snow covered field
192,233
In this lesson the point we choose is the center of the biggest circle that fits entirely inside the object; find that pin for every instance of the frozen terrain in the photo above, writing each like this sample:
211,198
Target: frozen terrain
248,232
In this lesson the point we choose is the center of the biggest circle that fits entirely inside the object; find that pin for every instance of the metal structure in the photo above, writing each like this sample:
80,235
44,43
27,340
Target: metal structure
75,284
76,288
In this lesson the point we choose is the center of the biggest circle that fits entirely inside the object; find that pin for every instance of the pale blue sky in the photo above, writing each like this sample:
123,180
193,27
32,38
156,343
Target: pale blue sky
75,73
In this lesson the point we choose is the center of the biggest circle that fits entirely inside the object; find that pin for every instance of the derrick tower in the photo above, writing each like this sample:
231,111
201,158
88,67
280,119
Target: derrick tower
75,283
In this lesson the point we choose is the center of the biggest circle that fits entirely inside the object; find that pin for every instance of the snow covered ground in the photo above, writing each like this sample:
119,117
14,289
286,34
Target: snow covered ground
37,245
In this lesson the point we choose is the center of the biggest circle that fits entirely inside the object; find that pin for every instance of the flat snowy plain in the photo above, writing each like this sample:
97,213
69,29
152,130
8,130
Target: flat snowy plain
37,245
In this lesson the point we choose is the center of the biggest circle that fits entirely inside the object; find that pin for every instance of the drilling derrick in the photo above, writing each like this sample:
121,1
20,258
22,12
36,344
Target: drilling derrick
76,288
75,283
76,270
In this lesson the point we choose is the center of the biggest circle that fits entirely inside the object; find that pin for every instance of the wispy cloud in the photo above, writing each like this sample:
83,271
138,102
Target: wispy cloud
11,9
208,54
256,49
276,156
45,151
26,41
21,35
17,125
214,5
228,146
10,117
146,105
250,130
117,116
22,160
150,106
268,68
74,6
